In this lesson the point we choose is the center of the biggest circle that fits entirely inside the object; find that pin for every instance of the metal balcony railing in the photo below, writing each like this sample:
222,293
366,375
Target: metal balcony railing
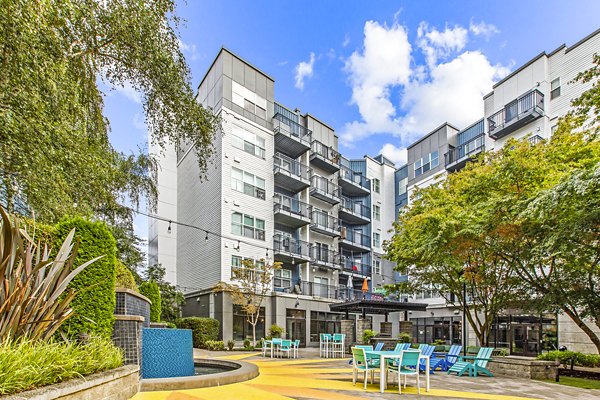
476,145
319,290
515,109
326,256
356,267
324,186
358,179
287,165
325,221
283,124
355,207
295,247
291,205
357,238
326,152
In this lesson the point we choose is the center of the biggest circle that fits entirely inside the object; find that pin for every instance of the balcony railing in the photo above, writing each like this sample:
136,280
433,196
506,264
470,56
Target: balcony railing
319,290
294,247
289,166
463,152
290,205
282,124
356,238
324,189
356,267
324,156
357,179
355,207
527,107
320,255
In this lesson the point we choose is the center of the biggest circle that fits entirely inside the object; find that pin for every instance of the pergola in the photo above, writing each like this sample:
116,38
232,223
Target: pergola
376,307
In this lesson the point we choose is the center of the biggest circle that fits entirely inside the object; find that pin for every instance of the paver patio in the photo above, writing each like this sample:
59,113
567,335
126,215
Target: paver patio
311,377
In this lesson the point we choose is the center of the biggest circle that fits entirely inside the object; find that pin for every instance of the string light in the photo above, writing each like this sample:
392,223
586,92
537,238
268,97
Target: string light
169,228
206,237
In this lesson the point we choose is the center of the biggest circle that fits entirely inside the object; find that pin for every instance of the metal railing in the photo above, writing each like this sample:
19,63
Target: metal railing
356,237
324,186
283,163
356,267
515,108
326,152
319,290
464,150
321,255
535,139
355,207
359,179
286,244
291,128
291,205
324,220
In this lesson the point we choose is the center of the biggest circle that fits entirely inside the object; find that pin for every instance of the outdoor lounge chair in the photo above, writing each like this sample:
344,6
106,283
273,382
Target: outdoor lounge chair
474,365
379,346
361,363
401,347
445,361
406,365
427,351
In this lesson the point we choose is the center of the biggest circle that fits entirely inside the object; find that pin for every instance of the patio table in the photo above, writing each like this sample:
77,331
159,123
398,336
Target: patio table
273,343
390,355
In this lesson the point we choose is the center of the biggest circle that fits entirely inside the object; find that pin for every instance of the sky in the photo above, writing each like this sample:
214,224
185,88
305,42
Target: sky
381,73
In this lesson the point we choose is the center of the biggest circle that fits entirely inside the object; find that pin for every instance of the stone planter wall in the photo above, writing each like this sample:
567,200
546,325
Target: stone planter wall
117,384
133,303
523,367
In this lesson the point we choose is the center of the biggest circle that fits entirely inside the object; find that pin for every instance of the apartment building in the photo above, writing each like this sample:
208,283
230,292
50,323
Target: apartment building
278,190
526,103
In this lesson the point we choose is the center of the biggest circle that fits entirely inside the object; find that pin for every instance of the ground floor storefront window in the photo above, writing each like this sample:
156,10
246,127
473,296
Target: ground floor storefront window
242,329
429,330
526,335
324,322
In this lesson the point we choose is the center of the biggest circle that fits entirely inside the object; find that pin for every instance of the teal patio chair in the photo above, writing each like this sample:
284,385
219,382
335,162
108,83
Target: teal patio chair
365,348
265,346
361,363
406,365
324,343
474,365
338,344
295,346
286,347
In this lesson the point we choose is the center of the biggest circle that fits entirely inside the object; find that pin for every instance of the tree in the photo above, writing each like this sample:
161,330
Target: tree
53,134
152,292
252,282
172,299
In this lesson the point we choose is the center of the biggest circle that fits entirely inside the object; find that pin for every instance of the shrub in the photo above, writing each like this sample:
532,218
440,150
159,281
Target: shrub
405,337
276,331
230,345
568,357
368,334
27,364
215,345
438,342
152,292
34,298
170,325
203,329
124,278
247,345
94,303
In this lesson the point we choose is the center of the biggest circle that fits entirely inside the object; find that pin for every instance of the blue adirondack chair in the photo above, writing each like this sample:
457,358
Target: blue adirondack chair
401,347
445,361
427,350
379,346
474,365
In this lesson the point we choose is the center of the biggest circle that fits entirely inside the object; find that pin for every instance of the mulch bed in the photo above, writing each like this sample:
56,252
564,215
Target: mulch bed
579,373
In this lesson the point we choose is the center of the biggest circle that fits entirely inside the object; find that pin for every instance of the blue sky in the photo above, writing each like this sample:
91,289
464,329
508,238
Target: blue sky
381,73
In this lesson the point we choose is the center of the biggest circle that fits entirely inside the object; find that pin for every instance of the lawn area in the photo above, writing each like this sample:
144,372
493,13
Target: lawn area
578,382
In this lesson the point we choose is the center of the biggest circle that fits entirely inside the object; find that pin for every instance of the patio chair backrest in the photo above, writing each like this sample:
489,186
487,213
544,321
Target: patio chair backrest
484,353
265,344
338,337
276,340
325,337
427,350
398,347
410,358
286,344
358,355
378,346
405,346
422,346
454,352
365,347
297,343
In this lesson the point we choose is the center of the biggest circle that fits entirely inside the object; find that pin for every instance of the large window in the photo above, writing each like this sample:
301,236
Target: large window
248,100
247,183
376,213
376,267
282,278
428,330
242,329
324,322
239,270
376,185
376,239
402,186
248,141
430,161
248,226
555,88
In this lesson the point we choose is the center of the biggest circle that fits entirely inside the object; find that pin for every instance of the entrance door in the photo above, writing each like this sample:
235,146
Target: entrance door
296,325
525,339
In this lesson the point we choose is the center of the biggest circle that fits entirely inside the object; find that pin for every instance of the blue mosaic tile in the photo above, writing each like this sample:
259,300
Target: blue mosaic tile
167,353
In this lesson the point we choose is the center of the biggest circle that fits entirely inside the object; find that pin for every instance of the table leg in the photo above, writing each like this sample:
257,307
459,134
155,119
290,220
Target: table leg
271,350
382,373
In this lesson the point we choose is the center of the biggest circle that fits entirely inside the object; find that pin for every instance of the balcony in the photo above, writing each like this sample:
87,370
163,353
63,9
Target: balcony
356,268
516,114
320,290
290,250
291,138
354,212
326,258
323,189
325,223
458,157
353,184
535,139
354,240
350,294
291,212
324,157
290,174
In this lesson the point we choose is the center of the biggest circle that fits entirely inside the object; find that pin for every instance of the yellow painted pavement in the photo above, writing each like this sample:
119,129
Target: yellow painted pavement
303,378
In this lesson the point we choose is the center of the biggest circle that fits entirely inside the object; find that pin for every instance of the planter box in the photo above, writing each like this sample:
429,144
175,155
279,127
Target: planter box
523,367
117,384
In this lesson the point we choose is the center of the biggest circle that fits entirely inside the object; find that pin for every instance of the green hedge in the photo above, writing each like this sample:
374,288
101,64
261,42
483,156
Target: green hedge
203,329
124,278
94,304
26,365
152,292
579,359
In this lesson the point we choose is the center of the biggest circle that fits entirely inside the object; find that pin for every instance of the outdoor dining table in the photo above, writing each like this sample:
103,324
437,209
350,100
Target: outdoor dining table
273,344
389,354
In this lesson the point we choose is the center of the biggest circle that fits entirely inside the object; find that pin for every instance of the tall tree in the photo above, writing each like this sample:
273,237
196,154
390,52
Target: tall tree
172,299
53,134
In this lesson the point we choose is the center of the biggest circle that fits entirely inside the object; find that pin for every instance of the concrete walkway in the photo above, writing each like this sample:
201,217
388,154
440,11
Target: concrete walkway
311,377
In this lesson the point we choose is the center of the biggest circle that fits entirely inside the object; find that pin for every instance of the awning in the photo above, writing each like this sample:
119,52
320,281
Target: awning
376,306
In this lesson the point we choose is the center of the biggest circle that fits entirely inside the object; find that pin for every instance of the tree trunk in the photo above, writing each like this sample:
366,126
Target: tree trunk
588,331
254,335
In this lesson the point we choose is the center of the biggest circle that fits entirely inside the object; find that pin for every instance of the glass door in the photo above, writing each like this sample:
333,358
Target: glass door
296,325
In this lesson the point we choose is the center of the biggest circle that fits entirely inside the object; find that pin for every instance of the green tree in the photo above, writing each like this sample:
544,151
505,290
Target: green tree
171,298
57,57
151,291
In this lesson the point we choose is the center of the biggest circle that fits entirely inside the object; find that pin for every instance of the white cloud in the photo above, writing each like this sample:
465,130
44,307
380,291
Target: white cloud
282,63
346,41
398,155
304,70
447,87
483,28
139,123
128,91
189,49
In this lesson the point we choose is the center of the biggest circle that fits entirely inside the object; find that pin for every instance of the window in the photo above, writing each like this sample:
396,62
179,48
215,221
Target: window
242,328
376,213
245,182
430,161
376,267
248,141
321,287
282,278
248,100
376,239
248,226
376,185
239,270
554,128
555,88
402,186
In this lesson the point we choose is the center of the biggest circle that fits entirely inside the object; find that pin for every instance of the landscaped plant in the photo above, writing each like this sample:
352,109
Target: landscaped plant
124,278
94,304
171,299
368,334
276,331
35,292
568,358
247,345
203,329
405,337
26,364
230,345
215,345
151,291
